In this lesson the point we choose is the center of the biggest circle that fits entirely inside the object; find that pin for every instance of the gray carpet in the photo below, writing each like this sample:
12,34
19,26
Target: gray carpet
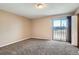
39,47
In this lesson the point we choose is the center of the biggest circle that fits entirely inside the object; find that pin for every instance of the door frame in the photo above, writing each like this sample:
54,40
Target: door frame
78,30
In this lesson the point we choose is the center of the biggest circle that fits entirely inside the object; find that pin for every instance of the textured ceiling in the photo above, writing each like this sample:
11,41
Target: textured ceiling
29,10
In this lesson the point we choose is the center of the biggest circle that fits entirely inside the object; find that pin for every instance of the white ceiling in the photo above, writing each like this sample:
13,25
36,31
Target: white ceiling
29,10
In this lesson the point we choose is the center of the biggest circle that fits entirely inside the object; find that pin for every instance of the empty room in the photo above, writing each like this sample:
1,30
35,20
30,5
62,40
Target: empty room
39,28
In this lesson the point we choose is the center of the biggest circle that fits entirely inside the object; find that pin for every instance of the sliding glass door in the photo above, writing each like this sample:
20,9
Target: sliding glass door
60,28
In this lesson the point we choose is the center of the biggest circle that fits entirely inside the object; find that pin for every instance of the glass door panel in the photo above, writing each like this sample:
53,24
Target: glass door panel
60,29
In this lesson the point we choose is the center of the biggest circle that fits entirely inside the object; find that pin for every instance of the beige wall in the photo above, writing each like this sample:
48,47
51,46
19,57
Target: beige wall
74,30
77,11
13,28
41,28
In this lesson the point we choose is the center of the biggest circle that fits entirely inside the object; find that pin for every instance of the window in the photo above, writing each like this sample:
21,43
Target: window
60,23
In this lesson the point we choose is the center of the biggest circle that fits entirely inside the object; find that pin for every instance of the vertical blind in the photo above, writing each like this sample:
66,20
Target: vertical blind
59,28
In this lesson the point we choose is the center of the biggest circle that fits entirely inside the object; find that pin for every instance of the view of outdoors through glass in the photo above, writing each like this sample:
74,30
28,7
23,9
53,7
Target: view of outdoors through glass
60,26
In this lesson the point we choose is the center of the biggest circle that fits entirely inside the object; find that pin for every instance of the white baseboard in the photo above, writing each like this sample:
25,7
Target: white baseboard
14,42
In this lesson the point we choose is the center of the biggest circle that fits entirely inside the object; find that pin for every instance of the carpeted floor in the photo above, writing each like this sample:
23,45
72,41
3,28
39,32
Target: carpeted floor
39,47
